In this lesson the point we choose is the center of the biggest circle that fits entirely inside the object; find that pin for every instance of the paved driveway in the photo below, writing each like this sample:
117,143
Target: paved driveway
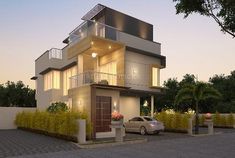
216,146
18,142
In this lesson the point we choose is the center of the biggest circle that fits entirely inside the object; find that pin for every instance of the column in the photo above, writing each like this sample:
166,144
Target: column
152,105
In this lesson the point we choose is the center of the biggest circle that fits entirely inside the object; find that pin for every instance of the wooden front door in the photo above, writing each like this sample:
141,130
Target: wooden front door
103,113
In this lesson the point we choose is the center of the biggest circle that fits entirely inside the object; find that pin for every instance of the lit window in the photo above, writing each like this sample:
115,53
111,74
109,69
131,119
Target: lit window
155,77
67,74
52,80
109,73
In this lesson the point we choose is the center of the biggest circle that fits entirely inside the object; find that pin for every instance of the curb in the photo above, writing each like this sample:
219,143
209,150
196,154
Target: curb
109,144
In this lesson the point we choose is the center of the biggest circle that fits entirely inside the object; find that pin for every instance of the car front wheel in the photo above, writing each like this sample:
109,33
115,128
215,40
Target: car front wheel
143,130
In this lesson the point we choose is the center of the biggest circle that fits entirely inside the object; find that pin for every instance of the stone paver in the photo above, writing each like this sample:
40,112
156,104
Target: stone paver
165,145
18,142
216,146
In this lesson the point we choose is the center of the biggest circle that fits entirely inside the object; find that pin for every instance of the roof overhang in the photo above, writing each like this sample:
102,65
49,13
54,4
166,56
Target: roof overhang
142,93
92,44
58,69
110,87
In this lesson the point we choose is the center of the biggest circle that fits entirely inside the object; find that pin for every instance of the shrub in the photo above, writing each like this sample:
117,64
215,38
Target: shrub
220,120
63,123
57,107
174,121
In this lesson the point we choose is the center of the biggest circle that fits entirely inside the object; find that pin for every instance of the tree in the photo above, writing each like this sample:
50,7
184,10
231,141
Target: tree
196,93
222,11
17,94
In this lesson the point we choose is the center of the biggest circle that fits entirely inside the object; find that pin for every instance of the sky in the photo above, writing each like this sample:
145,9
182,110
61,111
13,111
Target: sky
30,27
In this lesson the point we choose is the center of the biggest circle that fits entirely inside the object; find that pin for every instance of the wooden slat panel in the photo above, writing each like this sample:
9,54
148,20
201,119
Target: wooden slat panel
103,113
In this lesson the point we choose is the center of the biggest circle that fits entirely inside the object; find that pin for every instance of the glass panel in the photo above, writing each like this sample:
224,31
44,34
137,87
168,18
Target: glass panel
155,73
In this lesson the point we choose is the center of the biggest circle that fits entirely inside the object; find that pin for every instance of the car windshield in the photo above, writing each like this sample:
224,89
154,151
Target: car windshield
149,119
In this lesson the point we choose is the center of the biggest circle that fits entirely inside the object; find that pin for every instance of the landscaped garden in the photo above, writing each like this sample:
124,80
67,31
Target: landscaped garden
57,121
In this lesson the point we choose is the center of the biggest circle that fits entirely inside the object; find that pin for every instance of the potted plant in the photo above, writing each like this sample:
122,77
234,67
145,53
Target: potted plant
117,118
208,116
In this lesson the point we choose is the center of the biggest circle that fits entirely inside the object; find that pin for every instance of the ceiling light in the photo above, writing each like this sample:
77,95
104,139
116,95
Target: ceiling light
94,55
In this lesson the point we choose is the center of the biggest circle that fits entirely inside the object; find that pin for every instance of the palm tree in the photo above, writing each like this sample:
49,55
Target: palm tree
196,93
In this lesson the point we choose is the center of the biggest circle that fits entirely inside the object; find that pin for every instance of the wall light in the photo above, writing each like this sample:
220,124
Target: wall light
145,103
94,55
92,43
115,106
110,47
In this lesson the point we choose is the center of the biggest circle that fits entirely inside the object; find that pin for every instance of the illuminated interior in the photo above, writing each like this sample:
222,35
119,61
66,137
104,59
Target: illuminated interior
155,76
52,80
66,78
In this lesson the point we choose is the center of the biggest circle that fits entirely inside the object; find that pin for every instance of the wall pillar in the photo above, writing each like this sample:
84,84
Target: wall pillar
152,105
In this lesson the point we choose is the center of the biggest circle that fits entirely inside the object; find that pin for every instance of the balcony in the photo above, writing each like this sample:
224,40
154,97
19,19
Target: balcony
88,28
89,77
55,53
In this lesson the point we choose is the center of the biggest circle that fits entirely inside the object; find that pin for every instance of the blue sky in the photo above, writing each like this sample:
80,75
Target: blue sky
30,27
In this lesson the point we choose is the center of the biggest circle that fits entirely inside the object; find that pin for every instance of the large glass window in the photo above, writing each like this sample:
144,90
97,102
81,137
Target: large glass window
155,77
109,73
66,78
52,80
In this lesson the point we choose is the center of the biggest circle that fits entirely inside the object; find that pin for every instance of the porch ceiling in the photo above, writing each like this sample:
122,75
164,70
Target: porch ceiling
93,44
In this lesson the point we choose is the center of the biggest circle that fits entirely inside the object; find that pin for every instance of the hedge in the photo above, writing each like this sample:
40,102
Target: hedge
219,120
52,123
175,122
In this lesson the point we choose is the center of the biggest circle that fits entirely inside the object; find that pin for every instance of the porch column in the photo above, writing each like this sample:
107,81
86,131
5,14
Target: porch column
152,105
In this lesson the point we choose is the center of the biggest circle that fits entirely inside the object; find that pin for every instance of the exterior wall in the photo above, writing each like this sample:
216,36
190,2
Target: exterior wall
128,24
129,107
138,71
8,114
115,100
139,43
44,98
81,99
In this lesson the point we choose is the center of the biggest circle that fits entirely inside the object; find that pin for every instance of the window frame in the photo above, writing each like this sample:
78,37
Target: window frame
49,80
151,76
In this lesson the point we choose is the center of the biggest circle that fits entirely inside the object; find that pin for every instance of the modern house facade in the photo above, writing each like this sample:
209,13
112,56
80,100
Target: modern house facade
109,62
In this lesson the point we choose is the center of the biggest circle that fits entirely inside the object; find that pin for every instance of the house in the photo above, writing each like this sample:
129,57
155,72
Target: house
108,63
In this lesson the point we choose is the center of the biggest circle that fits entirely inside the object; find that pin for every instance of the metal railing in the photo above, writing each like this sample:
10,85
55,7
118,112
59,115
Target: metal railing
55,53
92,28
91,77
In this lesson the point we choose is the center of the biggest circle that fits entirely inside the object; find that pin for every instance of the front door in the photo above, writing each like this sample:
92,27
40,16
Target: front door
103,113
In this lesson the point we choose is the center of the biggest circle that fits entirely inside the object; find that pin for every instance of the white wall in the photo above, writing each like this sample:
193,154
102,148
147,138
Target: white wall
139,43
129,107
8,114
138,71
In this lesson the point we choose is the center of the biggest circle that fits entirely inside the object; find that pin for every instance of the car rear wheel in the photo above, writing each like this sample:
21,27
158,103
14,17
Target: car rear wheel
143,130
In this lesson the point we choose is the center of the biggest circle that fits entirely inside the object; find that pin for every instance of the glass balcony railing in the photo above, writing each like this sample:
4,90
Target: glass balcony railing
55,53
92,28
89,77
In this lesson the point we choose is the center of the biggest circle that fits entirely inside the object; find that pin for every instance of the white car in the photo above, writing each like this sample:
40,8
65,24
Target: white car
144,125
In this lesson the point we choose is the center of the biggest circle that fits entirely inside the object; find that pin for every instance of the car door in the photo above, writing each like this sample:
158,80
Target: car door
130,125
137,124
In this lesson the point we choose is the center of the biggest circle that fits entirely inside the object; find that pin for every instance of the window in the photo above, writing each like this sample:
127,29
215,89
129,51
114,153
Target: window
52,80
136,119
109,73
66,78
149,119
155,77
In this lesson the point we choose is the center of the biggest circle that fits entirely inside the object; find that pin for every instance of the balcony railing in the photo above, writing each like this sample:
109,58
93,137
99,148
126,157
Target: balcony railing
92,28
88,78
55,53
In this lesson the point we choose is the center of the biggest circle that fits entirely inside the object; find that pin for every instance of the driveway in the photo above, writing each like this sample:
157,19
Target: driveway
18,142
216,146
